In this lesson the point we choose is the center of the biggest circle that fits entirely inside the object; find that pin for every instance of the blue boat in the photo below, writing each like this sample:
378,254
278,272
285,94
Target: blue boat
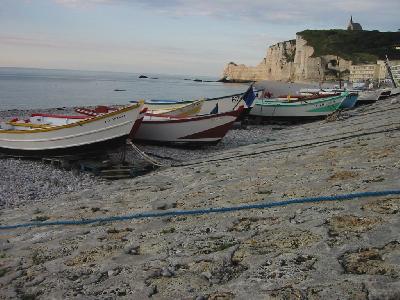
349,101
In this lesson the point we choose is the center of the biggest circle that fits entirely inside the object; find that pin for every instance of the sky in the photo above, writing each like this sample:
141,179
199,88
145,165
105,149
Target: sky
168,36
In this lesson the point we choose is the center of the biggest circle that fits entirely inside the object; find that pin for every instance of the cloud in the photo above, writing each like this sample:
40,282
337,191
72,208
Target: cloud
289,12
83,3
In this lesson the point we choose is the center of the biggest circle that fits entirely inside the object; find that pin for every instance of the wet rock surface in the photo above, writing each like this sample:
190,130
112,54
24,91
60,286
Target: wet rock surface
325,250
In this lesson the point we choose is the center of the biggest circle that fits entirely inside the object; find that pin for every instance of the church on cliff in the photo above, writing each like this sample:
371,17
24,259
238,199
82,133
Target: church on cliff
353,26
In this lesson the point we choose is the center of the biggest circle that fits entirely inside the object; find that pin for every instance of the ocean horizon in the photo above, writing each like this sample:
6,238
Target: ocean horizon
31,88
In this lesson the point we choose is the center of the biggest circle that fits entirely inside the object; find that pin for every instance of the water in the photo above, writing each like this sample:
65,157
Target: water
37,88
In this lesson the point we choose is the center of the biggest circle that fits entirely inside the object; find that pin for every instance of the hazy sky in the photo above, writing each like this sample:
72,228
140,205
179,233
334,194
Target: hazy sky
168,36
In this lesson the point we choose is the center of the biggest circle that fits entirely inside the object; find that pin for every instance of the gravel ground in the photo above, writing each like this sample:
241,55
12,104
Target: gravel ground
326,250
253,134
24,181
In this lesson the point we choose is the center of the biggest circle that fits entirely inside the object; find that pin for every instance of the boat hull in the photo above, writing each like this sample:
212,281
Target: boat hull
208,129
350,101
365,97
96,134
298,109
395,91
81,150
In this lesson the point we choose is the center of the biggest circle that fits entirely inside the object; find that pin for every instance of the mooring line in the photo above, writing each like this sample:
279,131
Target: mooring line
269,150
204,211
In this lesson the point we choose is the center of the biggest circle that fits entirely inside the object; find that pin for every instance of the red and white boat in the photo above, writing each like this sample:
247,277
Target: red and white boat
58,135
204,129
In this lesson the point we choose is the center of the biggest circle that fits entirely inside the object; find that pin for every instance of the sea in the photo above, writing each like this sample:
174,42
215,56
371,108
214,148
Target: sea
23,88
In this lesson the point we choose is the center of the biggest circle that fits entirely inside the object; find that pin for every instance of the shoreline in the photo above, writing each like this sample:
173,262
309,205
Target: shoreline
327,250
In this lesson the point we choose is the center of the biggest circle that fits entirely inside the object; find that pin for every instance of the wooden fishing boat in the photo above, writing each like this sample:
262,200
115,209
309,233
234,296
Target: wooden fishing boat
303,107
370,96
210,105
349,102
189,109
58,135
186,110
395,91
205,129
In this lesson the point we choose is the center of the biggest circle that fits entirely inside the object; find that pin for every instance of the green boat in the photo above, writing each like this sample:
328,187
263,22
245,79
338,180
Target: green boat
297,107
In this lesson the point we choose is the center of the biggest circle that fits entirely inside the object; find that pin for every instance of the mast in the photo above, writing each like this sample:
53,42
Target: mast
390,71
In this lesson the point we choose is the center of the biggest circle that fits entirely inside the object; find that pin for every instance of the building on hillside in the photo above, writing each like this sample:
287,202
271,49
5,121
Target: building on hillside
374,72
396,73
353,26
366,72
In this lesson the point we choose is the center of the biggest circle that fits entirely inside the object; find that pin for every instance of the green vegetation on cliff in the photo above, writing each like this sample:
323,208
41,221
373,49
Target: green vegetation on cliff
357,46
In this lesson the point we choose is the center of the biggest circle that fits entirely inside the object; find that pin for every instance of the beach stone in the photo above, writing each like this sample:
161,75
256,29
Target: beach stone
164,205
167,272
133,249
206,275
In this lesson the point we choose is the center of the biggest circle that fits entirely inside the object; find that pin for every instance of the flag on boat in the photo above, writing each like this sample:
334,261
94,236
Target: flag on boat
215,110
249,96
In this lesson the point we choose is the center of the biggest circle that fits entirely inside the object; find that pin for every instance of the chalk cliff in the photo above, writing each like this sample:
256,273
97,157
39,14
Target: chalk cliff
290,61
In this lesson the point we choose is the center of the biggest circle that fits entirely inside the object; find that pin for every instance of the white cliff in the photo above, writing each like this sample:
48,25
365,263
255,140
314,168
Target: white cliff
289,61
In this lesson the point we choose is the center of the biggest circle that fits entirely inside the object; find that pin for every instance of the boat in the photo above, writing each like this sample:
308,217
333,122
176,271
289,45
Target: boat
395,91
349,102
370,96
59,135
210,105
195,130
298,107
189,109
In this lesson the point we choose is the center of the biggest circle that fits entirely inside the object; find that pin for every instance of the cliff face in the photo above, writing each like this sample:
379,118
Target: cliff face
289,61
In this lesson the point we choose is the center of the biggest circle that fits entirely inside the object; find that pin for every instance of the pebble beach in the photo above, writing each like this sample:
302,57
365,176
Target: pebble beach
326,250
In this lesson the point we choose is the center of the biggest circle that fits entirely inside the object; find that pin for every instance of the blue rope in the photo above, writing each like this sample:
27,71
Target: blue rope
174,213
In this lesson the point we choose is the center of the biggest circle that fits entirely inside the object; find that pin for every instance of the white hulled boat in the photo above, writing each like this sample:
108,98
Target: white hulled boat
57,135
205,129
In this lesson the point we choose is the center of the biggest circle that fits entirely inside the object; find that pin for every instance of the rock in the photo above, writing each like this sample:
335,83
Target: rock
161,205
206,275
285,61
152,290
132,249
167,272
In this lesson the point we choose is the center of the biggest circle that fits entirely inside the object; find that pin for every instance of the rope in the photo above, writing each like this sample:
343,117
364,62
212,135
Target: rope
174,213
307,144
144,155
